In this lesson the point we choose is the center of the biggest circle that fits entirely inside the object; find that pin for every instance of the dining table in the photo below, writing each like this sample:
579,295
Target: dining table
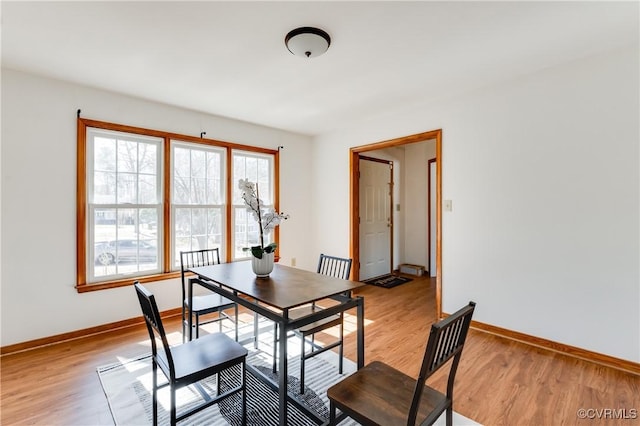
273,297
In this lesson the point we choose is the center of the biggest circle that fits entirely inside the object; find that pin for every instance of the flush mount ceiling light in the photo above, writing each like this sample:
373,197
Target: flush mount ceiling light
307,42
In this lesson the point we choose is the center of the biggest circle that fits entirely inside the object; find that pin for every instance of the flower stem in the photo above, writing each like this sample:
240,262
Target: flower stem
260,217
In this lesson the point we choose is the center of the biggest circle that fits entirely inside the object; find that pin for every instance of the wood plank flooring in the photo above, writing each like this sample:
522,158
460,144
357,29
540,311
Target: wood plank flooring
499,382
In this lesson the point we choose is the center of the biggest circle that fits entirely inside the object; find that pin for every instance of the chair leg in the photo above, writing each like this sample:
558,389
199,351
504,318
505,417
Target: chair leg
235,319
197,326
341,353
450,416
220,320
275,348
332,413
154,402
244,393
173,405
184,325
302,353
255,330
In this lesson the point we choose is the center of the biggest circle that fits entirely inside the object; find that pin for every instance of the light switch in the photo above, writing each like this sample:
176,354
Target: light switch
448,206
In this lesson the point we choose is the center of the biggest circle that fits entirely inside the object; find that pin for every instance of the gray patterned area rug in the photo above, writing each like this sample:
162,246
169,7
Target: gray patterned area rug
127,386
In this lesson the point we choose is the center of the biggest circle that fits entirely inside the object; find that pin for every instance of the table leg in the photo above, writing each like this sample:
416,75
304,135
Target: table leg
360,315
283,374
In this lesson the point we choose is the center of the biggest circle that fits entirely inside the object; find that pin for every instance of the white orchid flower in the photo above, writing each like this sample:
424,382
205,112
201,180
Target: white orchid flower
267,219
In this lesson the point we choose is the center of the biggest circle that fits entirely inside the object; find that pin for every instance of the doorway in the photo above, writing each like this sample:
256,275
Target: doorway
355,155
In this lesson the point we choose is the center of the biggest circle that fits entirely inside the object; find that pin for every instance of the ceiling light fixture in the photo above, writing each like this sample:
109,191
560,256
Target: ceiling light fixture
307,41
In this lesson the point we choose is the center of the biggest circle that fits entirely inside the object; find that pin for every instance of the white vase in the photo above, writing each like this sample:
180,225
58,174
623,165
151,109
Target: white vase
262,267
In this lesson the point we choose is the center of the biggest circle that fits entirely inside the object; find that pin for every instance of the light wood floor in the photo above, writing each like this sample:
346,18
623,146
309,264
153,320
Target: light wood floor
499,382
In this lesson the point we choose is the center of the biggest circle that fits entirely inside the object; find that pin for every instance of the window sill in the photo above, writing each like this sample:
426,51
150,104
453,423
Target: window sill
104,285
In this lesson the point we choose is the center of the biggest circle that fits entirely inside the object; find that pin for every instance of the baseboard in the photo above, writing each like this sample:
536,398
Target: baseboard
595,357
78,334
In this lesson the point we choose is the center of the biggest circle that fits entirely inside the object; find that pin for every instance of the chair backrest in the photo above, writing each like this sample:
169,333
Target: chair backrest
446,340
154,324
334,266
190,259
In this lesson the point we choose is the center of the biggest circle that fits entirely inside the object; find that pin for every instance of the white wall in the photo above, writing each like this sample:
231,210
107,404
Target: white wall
416,196
543,172
39,203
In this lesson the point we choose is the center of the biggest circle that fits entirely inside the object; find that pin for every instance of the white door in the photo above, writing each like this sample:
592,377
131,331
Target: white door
375,218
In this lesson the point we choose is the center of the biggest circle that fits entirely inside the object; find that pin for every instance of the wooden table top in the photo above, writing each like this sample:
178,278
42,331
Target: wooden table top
285,288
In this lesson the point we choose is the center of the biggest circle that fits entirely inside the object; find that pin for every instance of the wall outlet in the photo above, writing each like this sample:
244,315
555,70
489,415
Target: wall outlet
293,261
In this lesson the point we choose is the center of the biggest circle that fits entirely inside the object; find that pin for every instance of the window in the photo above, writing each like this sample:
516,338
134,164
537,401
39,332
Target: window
198,198
257,168
146,195
123,203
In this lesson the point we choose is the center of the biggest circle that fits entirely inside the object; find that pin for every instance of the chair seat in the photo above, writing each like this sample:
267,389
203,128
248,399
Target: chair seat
381,395
209,303
316,326
199,357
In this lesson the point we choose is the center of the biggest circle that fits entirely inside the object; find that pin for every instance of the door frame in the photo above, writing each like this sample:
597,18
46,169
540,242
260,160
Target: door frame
354,204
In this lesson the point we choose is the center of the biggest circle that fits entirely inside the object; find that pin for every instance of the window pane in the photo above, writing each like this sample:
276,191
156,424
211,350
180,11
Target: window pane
127,188
124,171
125,241
104,187
148,159
256,168
197,229
105,225
246,234
104,152
181,174
198,191
147,191
197,175
127,156
198,163
104,178
214,178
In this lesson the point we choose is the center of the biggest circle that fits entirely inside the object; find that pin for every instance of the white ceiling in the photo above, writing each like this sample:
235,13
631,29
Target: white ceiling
229,58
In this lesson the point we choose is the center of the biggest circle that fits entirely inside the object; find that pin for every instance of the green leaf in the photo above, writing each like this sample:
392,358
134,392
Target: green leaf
270,248
257,251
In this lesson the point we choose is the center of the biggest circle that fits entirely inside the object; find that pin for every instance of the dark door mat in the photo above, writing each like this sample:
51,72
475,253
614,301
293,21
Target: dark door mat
387,281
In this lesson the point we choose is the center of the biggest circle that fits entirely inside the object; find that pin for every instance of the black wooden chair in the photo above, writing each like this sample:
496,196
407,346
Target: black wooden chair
381,395
191,362
207,304
327,265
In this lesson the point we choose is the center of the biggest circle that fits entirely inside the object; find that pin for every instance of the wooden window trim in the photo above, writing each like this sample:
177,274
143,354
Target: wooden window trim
81,198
